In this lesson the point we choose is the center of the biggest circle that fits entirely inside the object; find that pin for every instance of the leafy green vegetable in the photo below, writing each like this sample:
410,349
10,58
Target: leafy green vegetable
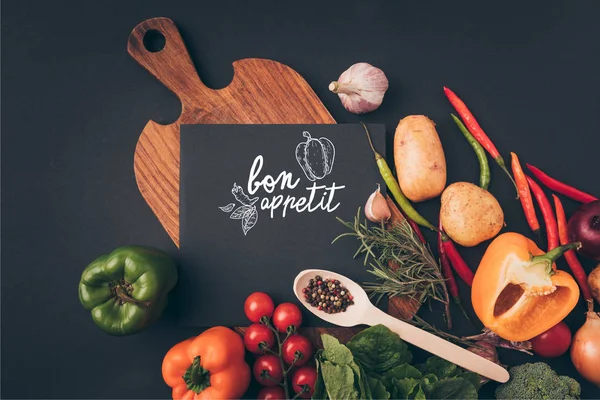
442,370
336,352
378,391
472,377
537,381
339,381
402,388
320,392
403,371
428,382
375,364
439,367
400,372
342,378
420,395
452,388
363,385
360,381
378,349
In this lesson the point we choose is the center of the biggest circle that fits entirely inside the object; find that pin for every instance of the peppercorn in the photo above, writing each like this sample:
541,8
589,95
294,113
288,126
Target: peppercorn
328,295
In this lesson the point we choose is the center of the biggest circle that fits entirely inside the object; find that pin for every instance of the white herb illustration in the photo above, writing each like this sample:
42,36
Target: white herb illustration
246,212
315,157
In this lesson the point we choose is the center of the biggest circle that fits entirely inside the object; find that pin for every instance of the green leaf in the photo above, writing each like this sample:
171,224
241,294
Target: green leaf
378,391
359,380
320,393
402,388
419,395
452,388
400,372
339,381
378,349
428,382
334,351
403,371
363,385
439,367
472,377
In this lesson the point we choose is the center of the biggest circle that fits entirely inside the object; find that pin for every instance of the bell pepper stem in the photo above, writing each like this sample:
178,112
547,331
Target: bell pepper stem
122,295
550,257
196,378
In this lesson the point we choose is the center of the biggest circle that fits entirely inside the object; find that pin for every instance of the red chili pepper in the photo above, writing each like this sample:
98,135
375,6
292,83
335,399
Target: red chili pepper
446,269
547,212
570,256
450,279
416,229
458,263
476,131
525,196
560,187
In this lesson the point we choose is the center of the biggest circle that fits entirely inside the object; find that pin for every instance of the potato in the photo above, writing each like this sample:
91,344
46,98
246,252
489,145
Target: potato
470,214
594,282
419,158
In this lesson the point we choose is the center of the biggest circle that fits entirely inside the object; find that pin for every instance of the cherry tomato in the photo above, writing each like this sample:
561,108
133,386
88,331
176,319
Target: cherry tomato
269,363
305,376
293,344
271,393
554,342
287,314
256,334
258,305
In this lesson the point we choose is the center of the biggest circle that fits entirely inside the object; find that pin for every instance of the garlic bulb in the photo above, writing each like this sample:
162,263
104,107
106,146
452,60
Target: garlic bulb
361,88
377,209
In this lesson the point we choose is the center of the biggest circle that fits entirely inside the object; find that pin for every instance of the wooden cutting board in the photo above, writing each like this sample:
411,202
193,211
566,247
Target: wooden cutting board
261,92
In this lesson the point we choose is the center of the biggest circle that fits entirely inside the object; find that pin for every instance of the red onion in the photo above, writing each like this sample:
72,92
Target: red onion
584,227
488,351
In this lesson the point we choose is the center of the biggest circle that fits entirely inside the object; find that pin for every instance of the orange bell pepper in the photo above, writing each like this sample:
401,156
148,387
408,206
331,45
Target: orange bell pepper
208,366
516,293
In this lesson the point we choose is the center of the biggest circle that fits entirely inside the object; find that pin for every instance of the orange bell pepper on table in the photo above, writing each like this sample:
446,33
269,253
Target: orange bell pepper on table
516,293
208,366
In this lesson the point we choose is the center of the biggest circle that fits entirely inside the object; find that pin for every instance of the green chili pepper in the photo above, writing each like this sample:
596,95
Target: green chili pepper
484,174
392,184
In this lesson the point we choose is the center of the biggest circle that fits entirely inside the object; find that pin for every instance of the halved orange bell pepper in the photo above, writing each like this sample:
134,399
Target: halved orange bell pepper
208,366
516,293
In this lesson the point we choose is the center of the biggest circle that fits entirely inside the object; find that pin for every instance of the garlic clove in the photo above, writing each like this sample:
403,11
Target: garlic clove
361,88
377,209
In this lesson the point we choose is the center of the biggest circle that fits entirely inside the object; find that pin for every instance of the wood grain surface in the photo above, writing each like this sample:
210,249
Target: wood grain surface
262,92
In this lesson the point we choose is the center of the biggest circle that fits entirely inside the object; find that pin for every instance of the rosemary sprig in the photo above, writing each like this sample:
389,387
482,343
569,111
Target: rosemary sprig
417,275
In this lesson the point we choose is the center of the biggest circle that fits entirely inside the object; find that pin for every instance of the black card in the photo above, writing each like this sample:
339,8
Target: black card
259,204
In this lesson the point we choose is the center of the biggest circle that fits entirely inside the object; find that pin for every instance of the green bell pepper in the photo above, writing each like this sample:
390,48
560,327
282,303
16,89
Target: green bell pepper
127,290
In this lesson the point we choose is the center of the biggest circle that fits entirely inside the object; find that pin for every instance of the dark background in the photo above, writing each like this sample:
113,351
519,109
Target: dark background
74,103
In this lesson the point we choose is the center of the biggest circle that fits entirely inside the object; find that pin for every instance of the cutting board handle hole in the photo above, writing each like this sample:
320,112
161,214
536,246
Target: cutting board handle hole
154,41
